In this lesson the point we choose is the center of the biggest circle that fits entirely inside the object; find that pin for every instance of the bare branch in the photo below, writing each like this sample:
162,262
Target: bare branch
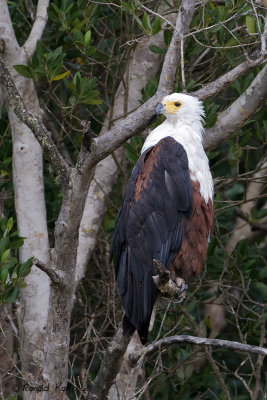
30,8
154,13
255,226
138,121
231,119
223,81
37,28
183,21
36,125
110,366
56,277
227,344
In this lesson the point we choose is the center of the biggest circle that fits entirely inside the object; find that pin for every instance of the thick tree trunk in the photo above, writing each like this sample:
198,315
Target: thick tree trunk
31,219
31,216
61,296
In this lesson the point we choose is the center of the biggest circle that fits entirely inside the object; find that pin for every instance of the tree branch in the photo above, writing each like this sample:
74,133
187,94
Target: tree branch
169,67
139,120
36,125
215,87
227,344
56,277
255,226
37,28
231,119
110,366
30,9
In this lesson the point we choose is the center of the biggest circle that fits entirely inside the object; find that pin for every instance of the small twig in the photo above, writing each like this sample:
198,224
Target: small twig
227,344
156,14
110,366
57,277
255,226
212,88
217,372
182,64
30,8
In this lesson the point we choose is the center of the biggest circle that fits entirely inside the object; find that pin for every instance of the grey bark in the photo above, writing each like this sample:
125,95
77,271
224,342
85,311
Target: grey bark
30,209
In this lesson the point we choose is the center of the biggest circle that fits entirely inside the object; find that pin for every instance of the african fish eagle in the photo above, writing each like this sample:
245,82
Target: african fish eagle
167,210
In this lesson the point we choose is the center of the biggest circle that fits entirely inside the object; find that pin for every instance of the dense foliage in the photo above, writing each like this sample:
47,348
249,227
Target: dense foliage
77,68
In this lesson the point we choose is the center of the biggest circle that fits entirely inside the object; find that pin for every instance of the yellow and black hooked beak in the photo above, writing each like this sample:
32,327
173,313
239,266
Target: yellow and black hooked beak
159,109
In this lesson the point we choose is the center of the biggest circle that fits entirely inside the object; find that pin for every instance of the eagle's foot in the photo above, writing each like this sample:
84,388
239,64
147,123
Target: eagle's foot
181,286
166,285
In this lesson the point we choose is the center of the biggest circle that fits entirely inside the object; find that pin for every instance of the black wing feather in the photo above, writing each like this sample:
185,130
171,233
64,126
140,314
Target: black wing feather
150,227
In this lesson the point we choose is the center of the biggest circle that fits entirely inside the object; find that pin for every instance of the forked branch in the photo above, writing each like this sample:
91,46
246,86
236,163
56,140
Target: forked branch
36,125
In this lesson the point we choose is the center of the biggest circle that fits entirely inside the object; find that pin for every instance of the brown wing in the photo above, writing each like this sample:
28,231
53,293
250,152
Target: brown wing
191,256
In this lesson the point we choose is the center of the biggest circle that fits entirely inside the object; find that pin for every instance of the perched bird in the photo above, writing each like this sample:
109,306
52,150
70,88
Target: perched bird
167,210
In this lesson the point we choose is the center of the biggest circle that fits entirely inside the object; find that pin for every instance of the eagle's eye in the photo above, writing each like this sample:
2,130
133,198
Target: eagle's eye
177,104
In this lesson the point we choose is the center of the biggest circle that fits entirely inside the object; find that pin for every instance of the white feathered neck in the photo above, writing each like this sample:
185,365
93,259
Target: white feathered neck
185,126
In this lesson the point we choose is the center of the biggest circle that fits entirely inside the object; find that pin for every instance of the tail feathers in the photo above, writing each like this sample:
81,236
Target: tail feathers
129,328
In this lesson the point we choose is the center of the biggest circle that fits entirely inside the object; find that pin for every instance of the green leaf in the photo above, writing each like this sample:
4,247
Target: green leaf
16,243
262,288
91,101
138,20
13,295
4,255
216,28
4,172
3,274
23,70
251,24
26,266
38,57
131,153
146,22
167,37
3,244
10,224
61,76
87,37
78,37
127,6
156,25
213,154
157,50
14,275
12,261
91,51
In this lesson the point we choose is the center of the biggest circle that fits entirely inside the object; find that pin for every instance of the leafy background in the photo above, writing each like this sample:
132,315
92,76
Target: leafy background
77,68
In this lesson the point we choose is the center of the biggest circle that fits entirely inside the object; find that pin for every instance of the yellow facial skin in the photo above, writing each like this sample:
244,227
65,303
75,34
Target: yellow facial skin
171,107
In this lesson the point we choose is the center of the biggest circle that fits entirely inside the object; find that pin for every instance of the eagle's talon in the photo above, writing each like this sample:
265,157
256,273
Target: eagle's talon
181,299
182,288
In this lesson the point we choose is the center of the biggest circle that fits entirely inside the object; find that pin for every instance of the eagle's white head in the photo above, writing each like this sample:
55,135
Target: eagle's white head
181,107
184,120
